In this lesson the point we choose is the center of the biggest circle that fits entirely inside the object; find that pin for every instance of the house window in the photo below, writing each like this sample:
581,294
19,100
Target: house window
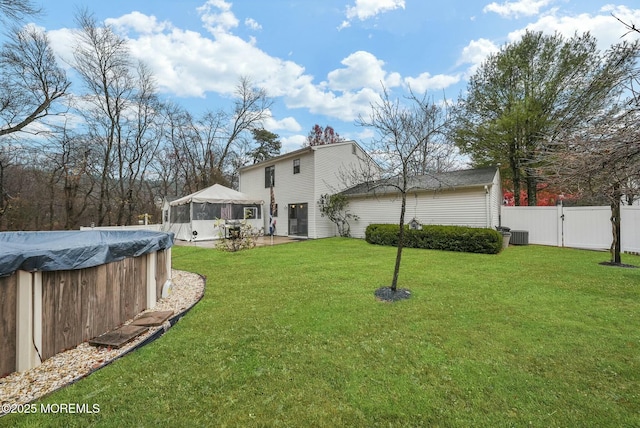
270,176
296,166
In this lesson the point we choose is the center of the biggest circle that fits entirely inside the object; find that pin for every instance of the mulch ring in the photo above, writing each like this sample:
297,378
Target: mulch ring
386,294
622,265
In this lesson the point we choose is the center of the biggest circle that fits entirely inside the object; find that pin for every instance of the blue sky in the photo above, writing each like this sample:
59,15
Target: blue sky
323,61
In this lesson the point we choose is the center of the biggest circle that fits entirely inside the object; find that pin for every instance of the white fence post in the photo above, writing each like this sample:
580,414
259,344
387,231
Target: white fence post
560,225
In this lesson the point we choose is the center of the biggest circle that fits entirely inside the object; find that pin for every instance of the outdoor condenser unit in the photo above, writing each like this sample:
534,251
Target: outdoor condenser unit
519,237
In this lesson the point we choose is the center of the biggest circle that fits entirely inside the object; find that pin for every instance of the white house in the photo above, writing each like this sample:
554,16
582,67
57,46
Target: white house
299,178
466,198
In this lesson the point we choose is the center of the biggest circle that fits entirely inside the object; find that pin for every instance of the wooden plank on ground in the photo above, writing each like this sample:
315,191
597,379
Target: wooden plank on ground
151,319
118,337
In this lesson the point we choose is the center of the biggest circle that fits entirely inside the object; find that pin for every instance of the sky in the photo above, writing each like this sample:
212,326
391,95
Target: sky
325,61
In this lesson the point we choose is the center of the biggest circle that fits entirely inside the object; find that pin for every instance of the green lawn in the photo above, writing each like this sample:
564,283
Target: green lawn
291,335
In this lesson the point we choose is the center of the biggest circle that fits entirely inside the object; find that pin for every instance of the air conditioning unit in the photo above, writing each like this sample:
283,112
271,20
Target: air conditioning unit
519,237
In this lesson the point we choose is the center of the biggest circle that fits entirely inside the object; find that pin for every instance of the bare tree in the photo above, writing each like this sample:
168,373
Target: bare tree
30,80
250,109
634,80
31,87
602,161
602,158
174,164
8,156
402,132
102,60
142,138
71,177
122,117
17,10
209,149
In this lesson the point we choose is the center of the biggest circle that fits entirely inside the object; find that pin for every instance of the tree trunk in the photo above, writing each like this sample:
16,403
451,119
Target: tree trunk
516,188
515,171
532,191
3,205
615,225
396,271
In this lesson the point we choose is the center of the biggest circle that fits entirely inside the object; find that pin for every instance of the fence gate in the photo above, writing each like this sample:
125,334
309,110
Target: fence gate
586,227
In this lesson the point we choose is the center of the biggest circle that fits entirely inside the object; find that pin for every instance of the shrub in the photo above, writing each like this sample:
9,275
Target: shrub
245,238
433,237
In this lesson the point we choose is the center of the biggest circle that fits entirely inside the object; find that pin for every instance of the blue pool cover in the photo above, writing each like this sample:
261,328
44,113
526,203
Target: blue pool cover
68,250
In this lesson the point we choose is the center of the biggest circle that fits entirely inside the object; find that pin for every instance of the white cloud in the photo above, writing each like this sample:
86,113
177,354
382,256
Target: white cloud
604,27
62,41
187,64
517,8
366,9
288,124
137,22
346,106
190,64
293,142
253,24
426,82
363,69
217,17
476,52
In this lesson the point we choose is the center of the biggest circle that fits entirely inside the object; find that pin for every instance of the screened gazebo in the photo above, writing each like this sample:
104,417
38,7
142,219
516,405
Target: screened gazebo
193,217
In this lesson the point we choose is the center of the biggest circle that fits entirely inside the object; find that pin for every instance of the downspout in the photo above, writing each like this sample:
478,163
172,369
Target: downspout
487,207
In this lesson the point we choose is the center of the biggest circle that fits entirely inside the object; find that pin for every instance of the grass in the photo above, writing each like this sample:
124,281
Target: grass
291,335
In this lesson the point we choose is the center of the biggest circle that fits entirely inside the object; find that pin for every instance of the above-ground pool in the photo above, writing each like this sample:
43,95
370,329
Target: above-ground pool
59,289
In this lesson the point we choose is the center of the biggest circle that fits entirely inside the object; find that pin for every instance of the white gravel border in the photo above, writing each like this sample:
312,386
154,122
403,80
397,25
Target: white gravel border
69,366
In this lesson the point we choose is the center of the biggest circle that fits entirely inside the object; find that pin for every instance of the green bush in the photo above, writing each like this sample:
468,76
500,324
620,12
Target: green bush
432,237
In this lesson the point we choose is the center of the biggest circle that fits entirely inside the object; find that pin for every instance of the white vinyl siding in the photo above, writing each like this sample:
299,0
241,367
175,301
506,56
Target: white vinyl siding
463,207
290,188
321,171
333,163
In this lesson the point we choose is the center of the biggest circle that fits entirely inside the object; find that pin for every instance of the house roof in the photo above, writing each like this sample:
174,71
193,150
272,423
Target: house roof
438,181
217,194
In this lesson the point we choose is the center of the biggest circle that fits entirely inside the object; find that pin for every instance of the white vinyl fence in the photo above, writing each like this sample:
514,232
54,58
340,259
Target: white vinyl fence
576,227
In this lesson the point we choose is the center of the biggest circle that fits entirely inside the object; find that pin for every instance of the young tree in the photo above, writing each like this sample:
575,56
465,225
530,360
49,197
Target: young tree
521,97
319,136
334,207
402,131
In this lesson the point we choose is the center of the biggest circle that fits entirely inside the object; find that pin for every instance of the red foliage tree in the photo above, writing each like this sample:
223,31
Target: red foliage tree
547,197
319,136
